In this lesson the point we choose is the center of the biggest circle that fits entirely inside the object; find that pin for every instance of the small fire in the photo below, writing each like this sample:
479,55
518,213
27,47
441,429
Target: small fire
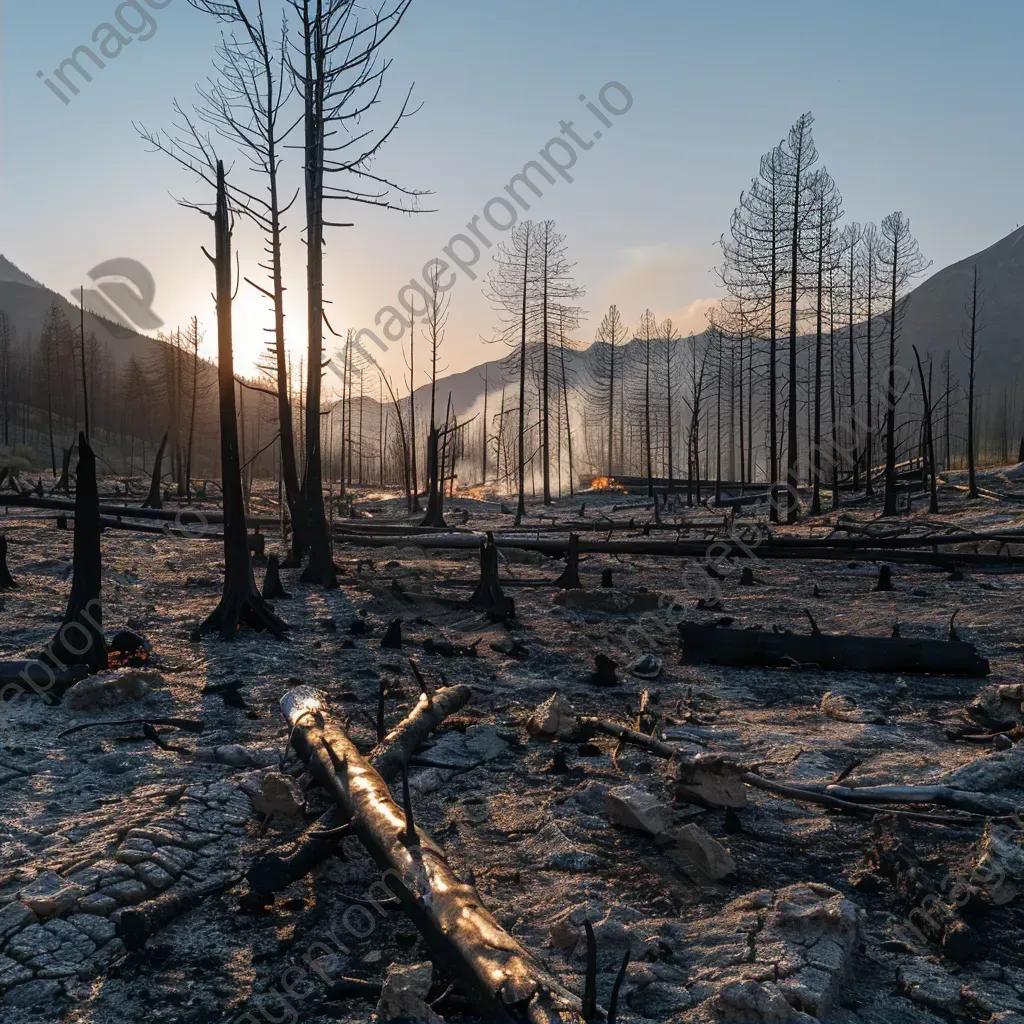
607,483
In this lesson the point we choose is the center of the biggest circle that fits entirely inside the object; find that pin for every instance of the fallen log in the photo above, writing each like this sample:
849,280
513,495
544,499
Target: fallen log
276,871
506,983
710,645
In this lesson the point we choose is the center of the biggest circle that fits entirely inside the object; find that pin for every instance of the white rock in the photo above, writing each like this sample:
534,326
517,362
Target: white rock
555,717
711,859
108,689
634,808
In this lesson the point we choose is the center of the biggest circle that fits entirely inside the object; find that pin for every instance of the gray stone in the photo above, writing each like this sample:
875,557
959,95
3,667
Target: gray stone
14,916
12,973
33,993
708,856
632,807
126,892
930,985
658,999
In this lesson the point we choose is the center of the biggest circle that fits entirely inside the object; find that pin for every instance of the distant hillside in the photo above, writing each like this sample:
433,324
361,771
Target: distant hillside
936,314
26,303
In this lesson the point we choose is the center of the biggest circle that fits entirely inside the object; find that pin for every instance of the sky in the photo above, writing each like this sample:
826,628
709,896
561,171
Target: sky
916,107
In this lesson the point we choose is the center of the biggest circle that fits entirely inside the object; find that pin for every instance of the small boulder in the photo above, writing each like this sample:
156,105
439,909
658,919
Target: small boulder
556,717
403,996
634,808
108,689
710,858
279,794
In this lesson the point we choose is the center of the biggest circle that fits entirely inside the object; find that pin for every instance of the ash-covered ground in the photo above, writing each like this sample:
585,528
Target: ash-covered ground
808,920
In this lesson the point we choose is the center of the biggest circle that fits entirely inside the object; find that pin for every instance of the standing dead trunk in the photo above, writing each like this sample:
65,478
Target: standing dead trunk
153,499
64,483
80,641
435,510
7,581
240,602
929,437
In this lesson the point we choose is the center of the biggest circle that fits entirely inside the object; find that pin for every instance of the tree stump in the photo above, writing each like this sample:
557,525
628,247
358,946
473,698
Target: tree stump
884,579
488,596
272,586
153,499
392,638
570,578
7,581
80,640
606,578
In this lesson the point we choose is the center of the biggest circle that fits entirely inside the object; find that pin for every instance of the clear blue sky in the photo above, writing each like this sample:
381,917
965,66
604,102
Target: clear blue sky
917,107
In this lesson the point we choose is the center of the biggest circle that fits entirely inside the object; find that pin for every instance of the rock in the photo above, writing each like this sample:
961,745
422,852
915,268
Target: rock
931,985
709,781
845,709
49,895
711,859
12,973
14,917
646,667
772,956
999,770
32,993
1000,866
477,743
552,848
403,996
658,999
634,808
555,717
108,689
279,794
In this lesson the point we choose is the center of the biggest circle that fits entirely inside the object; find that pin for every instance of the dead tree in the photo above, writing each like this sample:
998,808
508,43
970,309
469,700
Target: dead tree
901,260
7,581
64,483
929,434
273,588
240,603
80,640
153,499
970,344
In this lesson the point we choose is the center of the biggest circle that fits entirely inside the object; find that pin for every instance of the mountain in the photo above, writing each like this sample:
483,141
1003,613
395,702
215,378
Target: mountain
26,303
936,316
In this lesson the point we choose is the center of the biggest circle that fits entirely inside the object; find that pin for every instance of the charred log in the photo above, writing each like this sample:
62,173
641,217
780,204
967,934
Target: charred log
708,645
276,871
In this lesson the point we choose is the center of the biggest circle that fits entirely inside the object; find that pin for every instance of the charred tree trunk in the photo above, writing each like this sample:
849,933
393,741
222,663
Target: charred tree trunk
504,981
80,641
435,486
7,581
272,586
64,483
240,602
570,578
153,499
488,596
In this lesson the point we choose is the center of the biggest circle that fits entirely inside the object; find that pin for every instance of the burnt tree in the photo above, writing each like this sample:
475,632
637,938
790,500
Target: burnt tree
240,602
153,499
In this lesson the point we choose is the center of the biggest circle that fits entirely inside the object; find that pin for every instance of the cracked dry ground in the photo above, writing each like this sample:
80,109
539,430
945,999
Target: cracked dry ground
801,930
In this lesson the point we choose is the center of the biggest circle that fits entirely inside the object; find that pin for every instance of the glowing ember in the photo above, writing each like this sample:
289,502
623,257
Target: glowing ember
607,483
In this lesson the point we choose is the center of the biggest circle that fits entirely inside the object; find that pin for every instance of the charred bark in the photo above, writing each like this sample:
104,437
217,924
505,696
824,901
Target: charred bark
505,982
7,581
80,640
708,645
275,871
240,603
488,596
272,586
153,499
570,578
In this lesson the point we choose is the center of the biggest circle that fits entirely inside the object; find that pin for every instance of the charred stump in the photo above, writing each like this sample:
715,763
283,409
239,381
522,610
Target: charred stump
272,587
488,596
80,640
884,579
435,495
64,483
153,499
7,581
606,578
241,603
570,578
